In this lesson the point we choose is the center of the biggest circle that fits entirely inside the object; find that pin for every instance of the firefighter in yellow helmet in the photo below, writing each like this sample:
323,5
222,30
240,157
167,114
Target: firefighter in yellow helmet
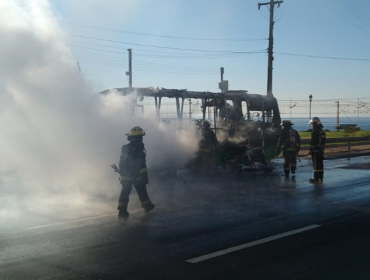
291,142
133,171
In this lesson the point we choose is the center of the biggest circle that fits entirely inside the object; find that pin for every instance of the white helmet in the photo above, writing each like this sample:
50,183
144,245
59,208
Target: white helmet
314,120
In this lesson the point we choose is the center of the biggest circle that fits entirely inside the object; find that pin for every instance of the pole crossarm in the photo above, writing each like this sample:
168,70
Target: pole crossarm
268,3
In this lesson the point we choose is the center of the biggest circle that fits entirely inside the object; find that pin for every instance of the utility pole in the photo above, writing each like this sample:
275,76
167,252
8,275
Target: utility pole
189,108
271,43
337,115
129,73
310,98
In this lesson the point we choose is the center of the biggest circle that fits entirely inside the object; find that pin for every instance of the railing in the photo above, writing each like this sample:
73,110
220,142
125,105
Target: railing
343,142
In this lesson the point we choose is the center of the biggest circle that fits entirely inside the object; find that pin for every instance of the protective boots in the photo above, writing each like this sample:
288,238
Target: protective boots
147,205
123,214
315,180
122,210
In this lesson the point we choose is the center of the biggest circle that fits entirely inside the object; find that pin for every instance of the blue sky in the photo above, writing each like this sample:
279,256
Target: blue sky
319,28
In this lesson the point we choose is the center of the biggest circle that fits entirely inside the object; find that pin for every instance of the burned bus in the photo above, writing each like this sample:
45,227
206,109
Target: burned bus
242,121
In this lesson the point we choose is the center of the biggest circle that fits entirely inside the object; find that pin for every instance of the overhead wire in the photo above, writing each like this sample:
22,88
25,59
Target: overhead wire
145,69
334,99
202,54
163,36
155,46
194,57
176,56
99,58
152,68
109,59
324,57
101,63
173,66
165,54
230,53
148,69
341,16
349,8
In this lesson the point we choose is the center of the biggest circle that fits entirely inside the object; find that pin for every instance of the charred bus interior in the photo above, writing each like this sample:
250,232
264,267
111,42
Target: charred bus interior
242,122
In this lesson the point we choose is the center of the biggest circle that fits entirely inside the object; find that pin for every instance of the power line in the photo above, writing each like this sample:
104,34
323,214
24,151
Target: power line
141,52
349,8
100,50
110,59
174,56
144,63
100,58
175,66
143,66
152,69
288,100
162,36
145,69
222,52
328,7
160,47
325,57
102,63
213,56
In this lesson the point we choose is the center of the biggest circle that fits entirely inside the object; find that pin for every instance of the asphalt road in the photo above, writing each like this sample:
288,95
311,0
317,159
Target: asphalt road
256,225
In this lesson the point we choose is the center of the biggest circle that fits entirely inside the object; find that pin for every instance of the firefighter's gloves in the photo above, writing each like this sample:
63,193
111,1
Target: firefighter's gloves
116,169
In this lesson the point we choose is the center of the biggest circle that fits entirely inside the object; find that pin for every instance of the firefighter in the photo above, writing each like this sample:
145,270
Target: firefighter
317,147
291,142
207,146
133,171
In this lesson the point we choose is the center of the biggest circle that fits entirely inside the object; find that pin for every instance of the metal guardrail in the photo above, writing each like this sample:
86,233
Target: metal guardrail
340,142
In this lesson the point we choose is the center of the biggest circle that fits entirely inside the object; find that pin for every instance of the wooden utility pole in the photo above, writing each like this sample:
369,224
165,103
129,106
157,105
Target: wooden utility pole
337,127
271,43
129,73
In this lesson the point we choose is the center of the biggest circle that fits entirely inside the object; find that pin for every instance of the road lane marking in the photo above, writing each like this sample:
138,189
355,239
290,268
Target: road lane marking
72,221
250,244
339,166
79,220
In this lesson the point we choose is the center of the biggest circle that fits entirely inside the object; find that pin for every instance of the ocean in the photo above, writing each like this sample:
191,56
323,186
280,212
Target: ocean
301,124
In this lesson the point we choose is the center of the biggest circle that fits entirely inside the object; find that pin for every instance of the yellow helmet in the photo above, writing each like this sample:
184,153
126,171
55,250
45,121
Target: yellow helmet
136,131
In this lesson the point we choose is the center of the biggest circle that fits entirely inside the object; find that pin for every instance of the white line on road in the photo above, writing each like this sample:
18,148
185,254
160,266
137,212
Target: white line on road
250,244
72,221
339,166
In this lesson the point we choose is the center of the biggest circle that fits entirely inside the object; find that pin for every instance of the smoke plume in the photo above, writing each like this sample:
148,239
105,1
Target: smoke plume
58,136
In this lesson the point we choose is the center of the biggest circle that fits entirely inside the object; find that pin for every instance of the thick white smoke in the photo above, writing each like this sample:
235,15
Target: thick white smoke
58,137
